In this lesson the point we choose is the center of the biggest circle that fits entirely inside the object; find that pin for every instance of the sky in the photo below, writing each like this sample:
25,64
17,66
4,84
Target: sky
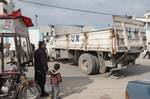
52,16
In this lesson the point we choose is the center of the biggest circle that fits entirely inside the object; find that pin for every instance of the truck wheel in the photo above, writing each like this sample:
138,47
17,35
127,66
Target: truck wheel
97,67
103,68
87,63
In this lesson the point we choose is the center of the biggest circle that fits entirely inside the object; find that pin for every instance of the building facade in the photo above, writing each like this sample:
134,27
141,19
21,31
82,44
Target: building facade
146,20
147,26
6,6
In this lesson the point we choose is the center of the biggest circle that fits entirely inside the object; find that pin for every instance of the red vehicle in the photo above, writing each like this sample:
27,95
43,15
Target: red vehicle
14,83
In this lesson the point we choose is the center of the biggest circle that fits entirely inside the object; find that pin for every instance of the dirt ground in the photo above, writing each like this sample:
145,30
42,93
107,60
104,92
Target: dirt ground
78,85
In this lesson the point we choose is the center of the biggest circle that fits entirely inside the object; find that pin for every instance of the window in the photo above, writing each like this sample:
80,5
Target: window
24,48
9,51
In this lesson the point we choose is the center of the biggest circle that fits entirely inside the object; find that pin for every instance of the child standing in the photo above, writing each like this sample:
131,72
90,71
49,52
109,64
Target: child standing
55,81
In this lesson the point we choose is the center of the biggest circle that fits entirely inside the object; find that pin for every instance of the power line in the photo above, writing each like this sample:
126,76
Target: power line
66,8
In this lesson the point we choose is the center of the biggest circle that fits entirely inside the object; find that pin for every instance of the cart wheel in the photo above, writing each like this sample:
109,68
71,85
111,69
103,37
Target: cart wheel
32,91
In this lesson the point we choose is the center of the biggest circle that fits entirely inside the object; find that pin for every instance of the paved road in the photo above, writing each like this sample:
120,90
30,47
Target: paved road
77,85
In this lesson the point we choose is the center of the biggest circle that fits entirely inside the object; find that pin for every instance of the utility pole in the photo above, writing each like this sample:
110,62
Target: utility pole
36,23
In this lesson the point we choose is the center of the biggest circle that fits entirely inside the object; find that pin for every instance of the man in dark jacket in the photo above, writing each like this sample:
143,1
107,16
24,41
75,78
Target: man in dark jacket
41,66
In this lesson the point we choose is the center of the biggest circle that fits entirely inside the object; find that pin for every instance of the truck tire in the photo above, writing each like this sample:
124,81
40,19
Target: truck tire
103,68
87,63
97,67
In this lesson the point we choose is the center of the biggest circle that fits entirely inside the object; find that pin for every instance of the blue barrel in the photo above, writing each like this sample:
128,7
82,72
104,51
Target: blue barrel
138,89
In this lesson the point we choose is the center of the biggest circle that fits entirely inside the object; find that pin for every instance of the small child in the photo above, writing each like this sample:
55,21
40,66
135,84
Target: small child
55,79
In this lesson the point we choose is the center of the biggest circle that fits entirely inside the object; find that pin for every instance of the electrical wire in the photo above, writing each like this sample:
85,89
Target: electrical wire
66,8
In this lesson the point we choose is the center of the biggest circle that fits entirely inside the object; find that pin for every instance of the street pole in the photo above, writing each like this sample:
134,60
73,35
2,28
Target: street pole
36,16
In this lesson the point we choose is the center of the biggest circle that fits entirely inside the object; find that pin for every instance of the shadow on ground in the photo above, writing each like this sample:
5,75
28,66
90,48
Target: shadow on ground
71,85
106,96
131,71
74,85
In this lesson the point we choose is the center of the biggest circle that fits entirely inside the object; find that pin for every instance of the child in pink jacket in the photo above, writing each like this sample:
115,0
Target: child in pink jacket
55,79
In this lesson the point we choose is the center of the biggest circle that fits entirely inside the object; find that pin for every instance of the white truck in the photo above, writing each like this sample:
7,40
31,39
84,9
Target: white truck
100,50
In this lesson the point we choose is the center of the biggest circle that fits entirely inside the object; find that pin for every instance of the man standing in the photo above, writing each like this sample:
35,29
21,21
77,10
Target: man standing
41,66
148,51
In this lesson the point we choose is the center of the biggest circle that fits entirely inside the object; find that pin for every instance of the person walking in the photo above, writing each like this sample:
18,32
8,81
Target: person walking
148,51
41,66
55,80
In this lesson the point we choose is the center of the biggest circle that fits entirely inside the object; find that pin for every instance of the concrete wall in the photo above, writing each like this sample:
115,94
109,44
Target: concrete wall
8,7
1,8
147,30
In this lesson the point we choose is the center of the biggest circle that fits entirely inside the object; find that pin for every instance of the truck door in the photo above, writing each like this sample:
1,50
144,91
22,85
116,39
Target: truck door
130,32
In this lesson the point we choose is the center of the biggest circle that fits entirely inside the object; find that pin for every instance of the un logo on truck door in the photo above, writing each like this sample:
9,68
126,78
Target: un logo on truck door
75,38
